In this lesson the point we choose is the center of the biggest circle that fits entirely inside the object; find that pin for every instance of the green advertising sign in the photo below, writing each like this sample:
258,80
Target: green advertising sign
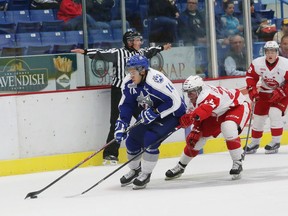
36,73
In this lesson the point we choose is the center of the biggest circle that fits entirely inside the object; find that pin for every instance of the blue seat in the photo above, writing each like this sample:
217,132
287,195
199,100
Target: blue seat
17,16
7,40
103,25
2,17
269,14
118,24
28,39
52,26
7,28
18,4
28,27
258,49
42,15
51,38
74,37
101,38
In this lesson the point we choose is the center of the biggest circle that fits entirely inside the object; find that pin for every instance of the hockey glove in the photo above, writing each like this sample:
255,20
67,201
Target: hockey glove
253,93
277,95
148,116
186,120
120,130
193,137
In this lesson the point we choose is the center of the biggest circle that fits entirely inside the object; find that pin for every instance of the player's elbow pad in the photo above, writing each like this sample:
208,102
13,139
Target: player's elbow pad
203,111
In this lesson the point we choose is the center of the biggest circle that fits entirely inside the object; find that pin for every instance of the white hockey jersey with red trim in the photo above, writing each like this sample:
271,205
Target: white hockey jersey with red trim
219,98
270,77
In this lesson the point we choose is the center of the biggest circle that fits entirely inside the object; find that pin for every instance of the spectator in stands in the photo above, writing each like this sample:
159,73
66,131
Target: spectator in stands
100,10
255,19
191,25
45,4
230,24
70,12
163,14
235,61
283,50
284,31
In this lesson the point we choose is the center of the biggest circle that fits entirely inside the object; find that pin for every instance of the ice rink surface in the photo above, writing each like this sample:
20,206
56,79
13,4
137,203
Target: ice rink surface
205,189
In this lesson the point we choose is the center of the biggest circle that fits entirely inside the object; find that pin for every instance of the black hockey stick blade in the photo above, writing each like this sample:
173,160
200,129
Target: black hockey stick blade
140,153
34,194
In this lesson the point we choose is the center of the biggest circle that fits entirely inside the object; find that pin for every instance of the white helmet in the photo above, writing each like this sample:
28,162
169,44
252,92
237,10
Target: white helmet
193,83
271,45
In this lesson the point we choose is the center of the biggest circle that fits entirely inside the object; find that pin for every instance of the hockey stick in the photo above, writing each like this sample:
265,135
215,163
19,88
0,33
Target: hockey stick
248,132
127,162
34,194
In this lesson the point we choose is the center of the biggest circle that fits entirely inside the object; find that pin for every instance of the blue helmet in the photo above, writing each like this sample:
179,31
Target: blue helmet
138,61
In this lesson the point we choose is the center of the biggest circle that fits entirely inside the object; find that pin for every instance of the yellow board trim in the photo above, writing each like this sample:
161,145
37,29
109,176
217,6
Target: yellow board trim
68,161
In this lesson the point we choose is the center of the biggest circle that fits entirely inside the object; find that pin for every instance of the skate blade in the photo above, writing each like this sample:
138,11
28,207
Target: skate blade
126,184
236,176
136,187
251,152
171,178
271,151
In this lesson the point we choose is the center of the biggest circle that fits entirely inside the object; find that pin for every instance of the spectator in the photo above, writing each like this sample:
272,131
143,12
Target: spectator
283,50
163,14
70,12
230,24
284,31
235,61
191,25
45,4
255,19
100,10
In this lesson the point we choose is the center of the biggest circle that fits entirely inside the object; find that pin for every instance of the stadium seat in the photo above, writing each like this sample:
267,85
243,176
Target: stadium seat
74,37
258,49
103,25
42,15
52,26
118,24
50,38
38,50
101,38
7,40
17,16
269,14
2,17
18,5
28,39
13,51
28,27
7,28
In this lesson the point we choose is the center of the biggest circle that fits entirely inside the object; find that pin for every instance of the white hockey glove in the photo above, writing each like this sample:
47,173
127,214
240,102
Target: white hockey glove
148,116
120,130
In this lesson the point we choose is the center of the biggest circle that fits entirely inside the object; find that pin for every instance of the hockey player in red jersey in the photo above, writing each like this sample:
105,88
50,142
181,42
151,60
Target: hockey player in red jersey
271,100
215,110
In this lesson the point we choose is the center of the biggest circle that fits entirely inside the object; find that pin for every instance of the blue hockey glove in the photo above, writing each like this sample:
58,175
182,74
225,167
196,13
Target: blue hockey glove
120,131
148,116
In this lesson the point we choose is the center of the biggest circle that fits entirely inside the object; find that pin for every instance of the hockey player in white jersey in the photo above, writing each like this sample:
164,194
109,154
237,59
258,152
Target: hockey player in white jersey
216,110
162,109
271,101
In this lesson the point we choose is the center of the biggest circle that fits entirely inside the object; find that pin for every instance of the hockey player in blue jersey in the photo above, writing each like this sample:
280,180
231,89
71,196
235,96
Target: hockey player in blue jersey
162,108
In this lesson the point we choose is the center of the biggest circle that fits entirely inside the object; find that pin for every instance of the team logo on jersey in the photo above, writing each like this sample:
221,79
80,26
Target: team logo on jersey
158,78
270,82
144,101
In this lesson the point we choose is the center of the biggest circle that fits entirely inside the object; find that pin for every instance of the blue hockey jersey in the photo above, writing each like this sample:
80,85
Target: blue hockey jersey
157,92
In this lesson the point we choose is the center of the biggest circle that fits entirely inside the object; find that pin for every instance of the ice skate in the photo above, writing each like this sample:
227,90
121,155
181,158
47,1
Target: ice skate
130,176
110,160
175,172
141,181
251,148
236,169
272,148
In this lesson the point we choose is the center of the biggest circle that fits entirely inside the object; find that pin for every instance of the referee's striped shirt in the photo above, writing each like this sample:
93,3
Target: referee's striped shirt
119,58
